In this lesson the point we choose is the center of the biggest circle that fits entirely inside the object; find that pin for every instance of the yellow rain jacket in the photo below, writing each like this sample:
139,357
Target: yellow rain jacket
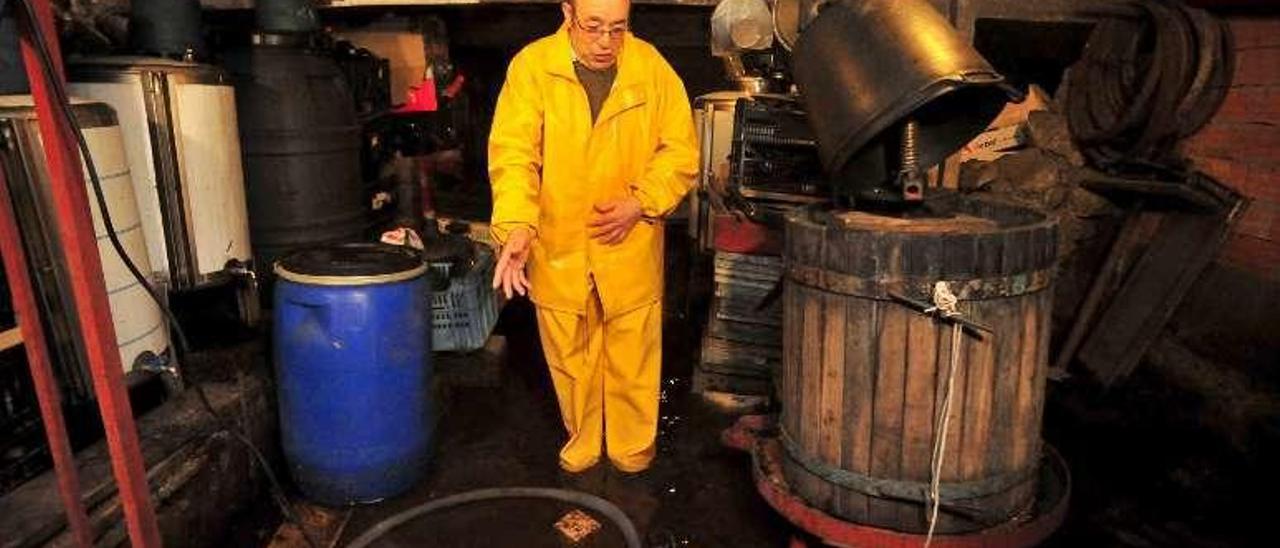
548,165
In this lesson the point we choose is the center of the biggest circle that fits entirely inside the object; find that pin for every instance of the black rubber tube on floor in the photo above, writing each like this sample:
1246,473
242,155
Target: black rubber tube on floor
604,507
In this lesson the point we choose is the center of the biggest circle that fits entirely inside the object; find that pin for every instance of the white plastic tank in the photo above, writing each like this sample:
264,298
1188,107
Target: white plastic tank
141,331
183,145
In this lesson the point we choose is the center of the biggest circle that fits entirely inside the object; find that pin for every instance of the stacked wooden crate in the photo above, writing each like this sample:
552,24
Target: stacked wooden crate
742,345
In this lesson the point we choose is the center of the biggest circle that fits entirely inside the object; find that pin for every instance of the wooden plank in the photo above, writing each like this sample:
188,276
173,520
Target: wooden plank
1185,244
718,381
761,284
961,222
738,292
1024,406
732,304
1181,194
977,415
831,428
811,387
792,342
1010,319
1039,377
860,350
746,358
735,372
886,441
1125,244
10,338
728,263
1039,380
918,408
769,336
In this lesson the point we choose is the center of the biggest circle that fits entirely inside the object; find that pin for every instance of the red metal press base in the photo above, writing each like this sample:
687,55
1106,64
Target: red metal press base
750,434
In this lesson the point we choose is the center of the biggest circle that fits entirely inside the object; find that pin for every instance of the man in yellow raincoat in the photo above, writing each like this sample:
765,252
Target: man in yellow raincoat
592,144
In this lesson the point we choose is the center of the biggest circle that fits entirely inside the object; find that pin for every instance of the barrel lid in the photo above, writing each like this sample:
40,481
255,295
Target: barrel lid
351,264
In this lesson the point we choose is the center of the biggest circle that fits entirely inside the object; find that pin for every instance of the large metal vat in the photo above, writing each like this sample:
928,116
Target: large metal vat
141,332
865,372
352,350
301,147
865,66
181,137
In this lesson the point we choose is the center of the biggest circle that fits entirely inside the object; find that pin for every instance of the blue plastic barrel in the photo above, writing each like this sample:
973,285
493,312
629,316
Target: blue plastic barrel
352,350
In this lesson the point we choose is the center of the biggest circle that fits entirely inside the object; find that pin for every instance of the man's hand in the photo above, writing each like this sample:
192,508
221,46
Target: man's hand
509,274
614,219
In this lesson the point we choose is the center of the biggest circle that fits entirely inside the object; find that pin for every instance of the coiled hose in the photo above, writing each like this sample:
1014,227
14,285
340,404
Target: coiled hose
1152,73
604,507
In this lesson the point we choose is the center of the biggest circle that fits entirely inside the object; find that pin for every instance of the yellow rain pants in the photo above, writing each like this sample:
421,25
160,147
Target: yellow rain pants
606,374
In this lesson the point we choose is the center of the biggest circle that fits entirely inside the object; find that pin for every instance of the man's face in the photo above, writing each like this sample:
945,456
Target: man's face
596,28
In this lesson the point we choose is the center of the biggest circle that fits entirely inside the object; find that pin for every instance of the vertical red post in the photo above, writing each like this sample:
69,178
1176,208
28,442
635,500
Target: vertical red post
28,316
80,247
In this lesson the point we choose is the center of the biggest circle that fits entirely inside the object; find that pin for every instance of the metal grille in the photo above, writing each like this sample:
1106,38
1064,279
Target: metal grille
774,154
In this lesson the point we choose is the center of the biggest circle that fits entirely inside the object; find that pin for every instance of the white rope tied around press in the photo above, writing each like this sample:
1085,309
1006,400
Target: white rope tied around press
944,302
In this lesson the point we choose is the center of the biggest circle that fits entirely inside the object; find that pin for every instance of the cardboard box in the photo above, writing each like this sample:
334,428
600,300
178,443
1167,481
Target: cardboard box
405,51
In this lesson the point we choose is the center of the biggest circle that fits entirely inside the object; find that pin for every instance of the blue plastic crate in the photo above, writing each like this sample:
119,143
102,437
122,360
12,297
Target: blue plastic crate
464,313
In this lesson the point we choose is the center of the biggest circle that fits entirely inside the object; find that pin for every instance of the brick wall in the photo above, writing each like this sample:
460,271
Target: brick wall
1233,311
1241,145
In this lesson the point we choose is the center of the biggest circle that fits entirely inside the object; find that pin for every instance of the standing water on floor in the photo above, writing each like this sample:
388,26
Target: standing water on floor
698,493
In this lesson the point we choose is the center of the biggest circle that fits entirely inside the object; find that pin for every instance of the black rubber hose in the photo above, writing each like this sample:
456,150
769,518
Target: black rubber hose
604,507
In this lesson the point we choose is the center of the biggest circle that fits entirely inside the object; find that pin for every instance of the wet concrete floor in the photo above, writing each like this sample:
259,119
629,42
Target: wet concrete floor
1143,474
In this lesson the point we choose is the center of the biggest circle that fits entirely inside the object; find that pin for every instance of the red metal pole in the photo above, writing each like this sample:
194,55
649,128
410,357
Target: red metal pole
55,429
79,245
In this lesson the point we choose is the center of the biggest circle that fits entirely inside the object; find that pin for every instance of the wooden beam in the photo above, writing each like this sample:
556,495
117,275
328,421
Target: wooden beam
1184,245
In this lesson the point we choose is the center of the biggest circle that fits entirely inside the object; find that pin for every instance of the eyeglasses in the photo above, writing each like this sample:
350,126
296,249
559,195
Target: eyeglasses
594,32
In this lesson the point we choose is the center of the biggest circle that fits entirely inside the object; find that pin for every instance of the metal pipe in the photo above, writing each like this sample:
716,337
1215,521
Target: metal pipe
47,391
78,243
